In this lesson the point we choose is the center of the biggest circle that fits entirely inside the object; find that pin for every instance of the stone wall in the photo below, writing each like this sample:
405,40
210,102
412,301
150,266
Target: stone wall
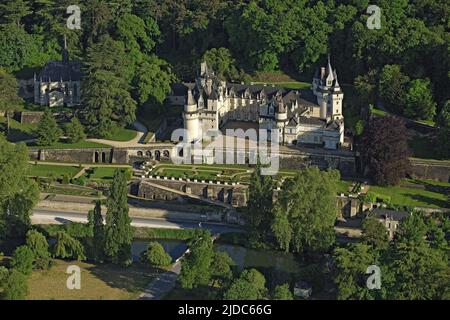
29,116
226,193
432,171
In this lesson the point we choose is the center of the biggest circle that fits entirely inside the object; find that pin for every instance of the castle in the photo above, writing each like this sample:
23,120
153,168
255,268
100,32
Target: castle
59,83
312,116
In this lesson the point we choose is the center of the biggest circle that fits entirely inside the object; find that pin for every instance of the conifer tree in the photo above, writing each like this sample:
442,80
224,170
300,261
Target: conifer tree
48,131
118,232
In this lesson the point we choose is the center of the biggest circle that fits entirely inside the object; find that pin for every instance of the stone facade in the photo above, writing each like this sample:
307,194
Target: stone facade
59,83
235,195
300,116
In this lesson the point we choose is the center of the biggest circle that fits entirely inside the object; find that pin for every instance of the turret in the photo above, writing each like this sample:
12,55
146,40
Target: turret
280,113
190,118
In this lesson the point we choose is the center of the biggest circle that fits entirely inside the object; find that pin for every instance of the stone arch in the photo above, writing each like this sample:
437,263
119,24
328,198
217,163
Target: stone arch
140,153
166,154
96,157
103,157
158,155
148,154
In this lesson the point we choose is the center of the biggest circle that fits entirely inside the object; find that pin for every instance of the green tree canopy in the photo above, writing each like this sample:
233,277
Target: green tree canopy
38,244
196,266
305,212
282,292
67,247
23,260
419,100
118,232
250,285
155,255
47,132
75,131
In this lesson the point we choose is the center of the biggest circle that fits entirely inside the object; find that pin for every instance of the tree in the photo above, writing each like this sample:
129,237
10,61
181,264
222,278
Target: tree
23,260
196,266
420,270
305,212
18,194
75,131
222,62
9,98
259,207
374,233
154,78
419,100
155,255
351,266
250,285
16,287
107,102
13,11
118,232
283,292
38,244
393,88
98,232
67,247
443,139
47,131
366,86
385,150
221,268
19,49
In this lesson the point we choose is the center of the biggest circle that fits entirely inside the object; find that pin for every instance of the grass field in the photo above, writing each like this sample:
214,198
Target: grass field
123,134
45,170
98,282
102,173
417,193
288,84
17,130
64,145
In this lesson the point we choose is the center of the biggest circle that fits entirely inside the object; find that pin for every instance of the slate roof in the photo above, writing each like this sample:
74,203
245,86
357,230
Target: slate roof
56,70
382,213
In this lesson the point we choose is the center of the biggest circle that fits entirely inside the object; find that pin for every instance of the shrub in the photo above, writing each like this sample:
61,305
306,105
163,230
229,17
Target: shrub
23,260
156,255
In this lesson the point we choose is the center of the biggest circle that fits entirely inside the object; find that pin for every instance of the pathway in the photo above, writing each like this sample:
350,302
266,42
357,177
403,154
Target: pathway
137,141
165,282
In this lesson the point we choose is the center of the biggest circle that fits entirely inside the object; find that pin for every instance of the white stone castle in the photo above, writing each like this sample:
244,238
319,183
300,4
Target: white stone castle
311,116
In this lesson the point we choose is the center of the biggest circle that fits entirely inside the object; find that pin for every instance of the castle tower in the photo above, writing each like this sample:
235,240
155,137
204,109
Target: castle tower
191,118
328,92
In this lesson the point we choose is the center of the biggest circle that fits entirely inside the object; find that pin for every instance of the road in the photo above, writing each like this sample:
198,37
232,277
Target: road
45,216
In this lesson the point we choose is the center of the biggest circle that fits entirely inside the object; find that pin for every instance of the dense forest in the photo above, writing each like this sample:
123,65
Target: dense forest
144,45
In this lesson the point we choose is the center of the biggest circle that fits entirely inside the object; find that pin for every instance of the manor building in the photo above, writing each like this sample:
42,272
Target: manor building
312,116
59,83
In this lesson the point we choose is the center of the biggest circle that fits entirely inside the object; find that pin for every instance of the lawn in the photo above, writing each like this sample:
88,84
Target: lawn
46,170
98,282
64,145
17,131
72,190
102,173
288,84
417,193
123,134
